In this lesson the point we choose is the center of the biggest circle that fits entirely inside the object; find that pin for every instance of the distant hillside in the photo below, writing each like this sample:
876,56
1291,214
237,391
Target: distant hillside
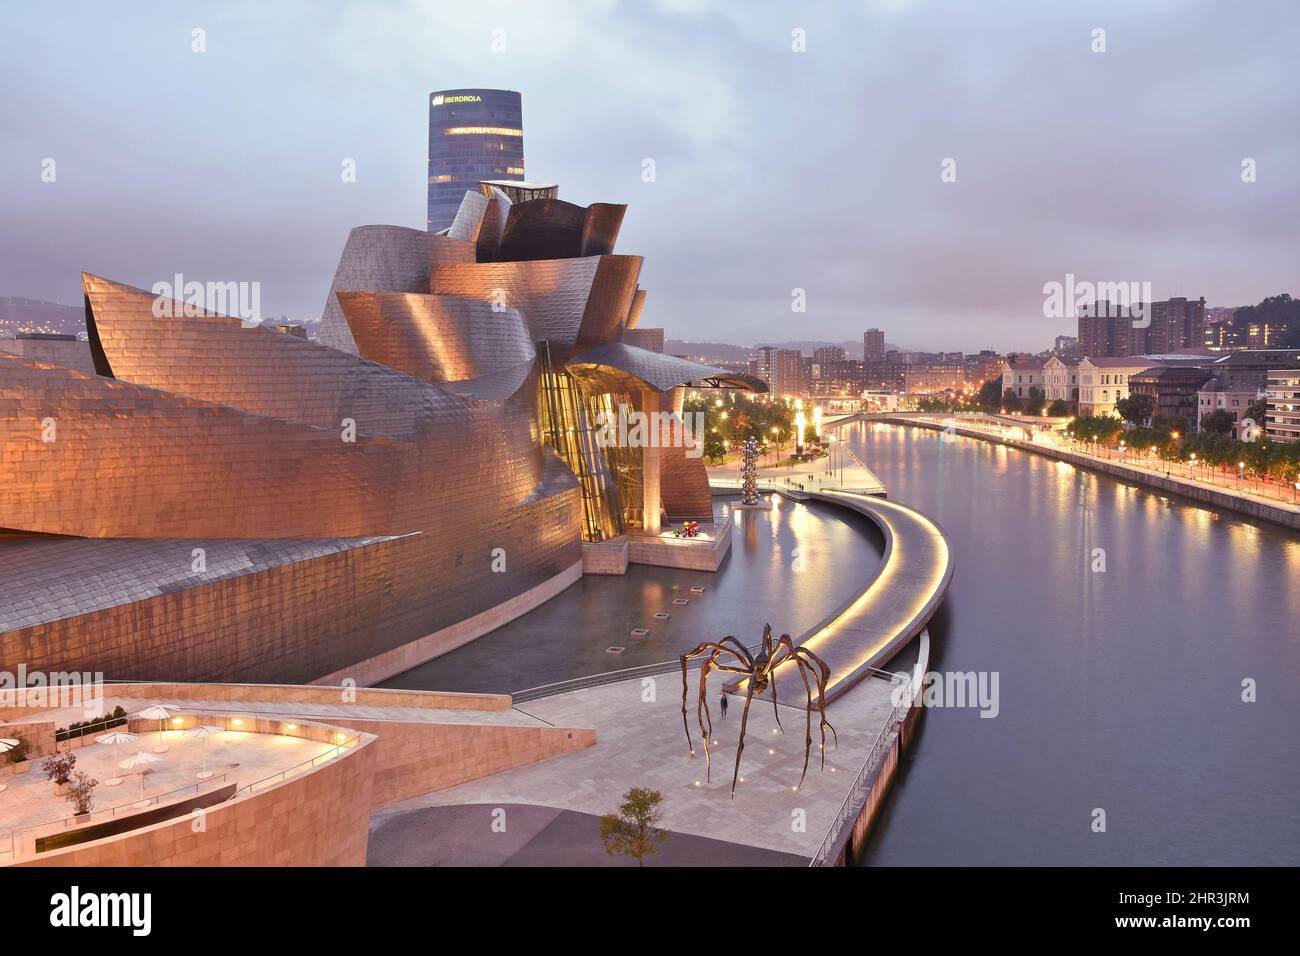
32,315
724,352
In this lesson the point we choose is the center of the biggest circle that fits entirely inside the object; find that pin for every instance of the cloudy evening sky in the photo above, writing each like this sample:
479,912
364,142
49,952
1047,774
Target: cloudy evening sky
775,170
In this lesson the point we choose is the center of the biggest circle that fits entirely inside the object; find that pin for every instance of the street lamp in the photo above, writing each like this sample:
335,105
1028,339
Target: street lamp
1241,473
1191,463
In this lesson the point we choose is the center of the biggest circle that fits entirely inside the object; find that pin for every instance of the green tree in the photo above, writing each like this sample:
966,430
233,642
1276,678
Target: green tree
1059,408
634,829
1219,421
1137,409
1258,411
990,395
1011,402
1034,402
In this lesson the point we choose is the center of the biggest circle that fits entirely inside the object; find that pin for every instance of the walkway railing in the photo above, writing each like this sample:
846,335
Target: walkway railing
335,751
852,804
135,806
608,677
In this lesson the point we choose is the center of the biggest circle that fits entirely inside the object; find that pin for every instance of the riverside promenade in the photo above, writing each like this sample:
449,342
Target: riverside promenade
1155,475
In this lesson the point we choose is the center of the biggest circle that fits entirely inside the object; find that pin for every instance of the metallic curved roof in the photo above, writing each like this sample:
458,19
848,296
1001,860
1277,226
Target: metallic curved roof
658,371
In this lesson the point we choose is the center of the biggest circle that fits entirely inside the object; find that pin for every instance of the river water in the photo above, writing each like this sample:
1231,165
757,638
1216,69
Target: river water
1118,690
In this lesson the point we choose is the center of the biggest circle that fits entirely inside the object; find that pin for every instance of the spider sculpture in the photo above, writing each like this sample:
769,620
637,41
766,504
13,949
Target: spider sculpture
760,672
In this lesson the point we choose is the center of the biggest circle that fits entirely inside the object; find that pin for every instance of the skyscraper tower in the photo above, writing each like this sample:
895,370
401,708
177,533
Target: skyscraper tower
873,344
473,135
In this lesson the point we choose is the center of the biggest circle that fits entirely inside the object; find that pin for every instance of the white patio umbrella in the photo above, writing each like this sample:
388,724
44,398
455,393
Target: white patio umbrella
160,713
7,744
113,739
203,733
138,760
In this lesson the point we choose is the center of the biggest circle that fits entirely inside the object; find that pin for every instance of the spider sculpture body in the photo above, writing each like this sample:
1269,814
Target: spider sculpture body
732,657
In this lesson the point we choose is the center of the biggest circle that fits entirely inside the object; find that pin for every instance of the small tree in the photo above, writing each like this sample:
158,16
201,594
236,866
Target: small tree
58,767
18,753
1136,408
1059,408
990,395
1219,421
1257,411
81,792
634,829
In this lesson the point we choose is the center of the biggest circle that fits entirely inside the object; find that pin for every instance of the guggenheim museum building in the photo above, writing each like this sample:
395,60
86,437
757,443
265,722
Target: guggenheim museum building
220,502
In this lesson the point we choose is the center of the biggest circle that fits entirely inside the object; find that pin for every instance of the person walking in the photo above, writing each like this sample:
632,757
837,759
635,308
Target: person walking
724,704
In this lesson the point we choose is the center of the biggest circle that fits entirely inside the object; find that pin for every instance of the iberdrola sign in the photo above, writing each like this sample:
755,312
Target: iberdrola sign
440,100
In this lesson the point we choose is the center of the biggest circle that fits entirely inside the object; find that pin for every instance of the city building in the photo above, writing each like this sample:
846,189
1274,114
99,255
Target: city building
1103,381
474,135
1106,330
828,354
1109,329
242,504
786,373
1176,324
1216,394
873,345
841,378
1250,368
1283,421
983,367
928,377
1066,345
1021,374
1174,389
1061,379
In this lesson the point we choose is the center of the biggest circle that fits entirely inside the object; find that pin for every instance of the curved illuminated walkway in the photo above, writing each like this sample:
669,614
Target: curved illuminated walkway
895,606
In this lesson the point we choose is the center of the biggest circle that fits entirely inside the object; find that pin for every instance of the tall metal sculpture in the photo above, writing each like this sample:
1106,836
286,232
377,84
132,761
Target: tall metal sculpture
760,672
749,473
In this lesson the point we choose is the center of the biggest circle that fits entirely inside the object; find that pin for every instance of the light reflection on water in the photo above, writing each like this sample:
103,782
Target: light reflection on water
1119,690
762,580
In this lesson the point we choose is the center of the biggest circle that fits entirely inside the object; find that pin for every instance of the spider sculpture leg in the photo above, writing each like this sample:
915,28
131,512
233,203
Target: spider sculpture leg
740,747
787,646
713,649
822,673
771,672
703,716
808,662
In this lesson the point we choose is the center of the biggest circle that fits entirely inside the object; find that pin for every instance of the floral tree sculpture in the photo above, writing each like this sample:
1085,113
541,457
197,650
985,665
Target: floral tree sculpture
749,473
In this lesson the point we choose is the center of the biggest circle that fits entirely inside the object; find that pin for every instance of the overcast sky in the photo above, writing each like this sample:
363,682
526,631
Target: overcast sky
775,169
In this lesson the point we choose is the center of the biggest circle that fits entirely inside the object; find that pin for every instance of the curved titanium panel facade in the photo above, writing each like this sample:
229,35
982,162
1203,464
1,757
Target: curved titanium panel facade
642,368
542,229
349,506
384,259
213,358
436,338
600,231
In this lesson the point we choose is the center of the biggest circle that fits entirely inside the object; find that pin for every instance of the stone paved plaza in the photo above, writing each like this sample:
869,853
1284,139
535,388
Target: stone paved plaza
641,743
